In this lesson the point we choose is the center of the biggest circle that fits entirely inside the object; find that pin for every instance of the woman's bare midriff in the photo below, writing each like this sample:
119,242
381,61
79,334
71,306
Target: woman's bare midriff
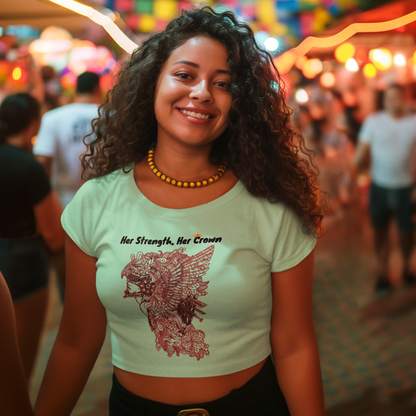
181,391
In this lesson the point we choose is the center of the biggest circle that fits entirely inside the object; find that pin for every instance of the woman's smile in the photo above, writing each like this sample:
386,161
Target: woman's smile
195,115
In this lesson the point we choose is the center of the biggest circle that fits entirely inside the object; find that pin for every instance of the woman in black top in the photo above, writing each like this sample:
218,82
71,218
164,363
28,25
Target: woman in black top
29,209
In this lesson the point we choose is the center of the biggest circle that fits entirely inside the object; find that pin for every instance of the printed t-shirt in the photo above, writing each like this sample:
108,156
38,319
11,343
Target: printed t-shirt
187,292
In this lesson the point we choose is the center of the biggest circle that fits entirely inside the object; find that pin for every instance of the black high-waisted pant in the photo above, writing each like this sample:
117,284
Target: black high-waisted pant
261,395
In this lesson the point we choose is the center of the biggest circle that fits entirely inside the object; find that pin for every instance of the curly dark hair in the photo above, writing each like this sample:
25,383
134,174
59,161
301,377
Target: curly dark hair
261,145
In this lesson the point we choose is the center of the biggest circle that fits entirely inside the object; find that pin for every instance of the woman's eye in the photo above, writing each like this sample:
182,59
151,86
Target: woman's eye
183,76
223,84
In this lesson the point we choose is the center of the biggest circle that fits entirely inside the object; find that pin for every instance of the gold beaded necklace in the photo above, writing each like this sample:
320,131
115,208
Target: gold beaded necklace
183,184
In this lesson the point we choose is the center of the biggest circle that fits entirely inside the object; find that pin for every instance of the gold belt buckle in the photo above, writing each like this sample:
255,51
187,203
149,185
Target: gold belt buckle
194,412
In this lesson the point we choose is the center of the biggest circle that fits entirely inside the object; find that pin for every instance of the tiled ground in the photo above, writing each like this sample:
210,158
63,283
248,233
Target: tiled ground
367,343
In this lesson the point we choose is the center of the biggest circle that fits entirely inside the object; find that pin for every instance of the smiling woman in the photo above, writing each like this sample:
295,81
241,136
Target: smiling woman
217,319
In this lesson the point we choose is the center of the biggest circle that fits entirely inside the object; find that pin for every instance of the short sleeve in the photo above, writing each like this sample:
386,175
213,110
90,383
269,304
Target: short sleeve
38,185
292,244
45,140
78,219
365,133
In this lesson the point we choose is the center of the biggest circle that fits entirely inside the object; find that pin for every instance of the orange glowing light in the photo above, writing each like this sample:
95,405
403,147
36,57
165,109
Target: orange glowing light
344,52
300,62
369,71
327,79
311,68
287,59
68,80
17,73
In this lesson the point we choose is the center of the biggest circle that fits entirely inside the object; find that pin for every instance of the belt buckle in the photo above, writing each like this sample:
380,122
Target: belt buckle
194,412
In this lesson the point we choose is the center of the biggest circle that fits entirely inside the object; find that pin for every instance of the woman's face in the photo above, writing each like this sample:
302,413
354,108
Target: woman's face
192,98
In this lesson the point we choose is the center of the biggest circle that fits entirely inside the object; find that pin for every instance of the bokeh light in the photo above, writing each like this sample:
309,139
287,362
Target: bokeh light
344,52
352,65
327,79
301,96
311,68
399,60
381,58
369,71
17,73
271,44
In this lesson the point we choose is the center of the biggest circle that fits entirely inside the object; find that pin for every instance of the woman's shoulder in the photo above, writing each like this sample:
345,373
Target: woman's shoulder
112,178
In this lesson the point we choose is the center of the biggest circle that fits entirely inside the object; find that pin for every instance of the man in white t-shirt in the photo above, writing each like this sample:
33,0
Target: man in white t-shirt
59,146
388,138
59,142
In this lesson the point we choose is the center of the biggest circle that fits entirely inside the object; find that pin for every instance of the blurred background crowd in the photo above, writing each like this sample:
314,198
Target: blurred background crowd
68,63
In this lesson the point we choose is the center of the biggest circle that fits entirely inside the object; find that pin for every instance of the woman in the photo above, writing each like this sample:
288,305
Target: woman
195,241
28,207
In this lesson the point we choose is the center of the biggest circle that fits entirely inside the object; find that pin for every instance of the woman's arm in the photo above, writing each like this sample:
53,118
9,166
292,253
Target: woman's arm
80,337
48,221
14,397
293,340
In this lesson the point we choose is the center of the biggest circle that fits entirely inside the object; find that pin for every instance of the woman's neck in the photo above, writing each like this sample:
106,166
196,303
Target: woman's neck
184,163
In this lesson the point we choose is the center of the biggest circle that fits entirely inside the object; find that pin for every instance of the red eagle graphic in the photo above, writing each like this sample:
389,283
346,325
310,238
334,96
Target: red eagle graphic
167,287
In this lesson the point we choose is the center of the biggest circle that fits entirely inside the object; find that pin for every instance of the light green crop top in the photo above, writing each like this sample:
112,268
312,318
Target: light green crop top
187,292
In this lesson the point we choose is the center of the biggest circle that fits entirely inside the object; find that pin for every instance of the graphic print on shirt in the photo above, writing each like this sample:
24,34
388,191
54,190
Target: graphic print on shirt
167,287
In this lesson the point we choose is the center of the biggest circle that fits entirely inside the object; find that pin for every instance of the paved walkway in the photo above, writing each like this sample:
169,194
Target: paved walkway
367,343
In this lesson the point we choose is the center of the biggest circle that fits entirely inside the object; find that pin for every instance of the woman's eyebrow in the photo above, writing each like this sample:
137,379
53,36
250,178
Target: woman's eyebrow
219,71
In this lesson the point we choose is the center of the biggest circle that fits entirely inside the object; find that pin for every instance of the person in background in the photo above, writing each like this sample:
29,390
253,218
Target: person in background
28,207
59,145
388,140
195,240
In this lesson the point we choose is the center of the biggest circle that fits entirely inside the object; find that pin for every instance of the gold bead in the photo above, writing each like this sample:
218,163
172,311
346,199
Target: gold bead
198,184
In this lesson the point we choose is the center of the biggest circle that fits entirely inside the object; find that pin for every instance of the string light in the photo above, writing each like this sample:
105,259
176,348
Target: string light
105,21
285,61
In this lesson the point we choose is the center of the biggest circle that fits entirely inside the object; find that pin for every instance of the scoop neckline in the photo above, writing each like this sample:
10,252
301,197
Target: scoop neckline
147,204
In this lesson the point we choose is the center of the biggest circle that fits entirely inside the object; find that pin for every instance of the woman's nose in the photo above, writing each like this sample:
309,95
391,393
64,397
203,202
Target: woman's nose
201,92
